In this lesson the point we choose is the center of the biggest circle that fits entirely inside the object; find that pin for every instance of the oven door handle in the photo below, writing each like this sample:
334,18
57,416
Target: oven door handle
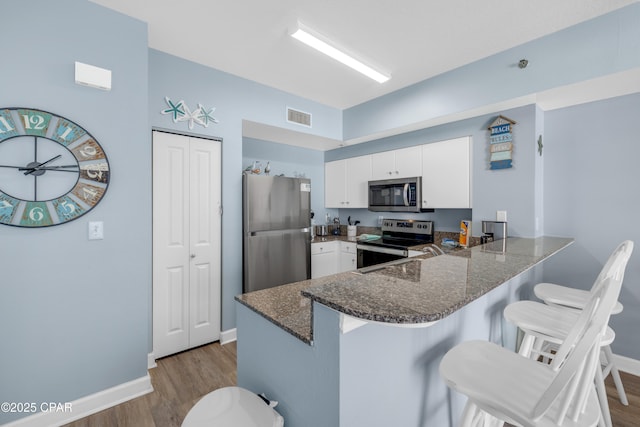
383,250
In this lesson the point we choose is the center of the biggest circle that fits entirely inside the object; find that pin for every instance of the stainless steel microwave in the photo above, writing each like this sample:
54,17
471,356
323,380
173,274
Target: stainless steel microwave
395,195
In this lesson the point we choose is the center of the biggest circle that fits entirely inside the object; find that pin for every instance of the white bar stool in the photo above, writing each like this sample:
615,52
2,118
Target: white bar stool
563,296
503,386
546,326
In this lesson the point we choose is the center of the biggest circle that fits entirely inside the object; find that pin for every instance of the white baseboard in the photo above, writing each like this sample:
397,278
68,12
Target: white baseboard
627,364
151,361
228,336
87,405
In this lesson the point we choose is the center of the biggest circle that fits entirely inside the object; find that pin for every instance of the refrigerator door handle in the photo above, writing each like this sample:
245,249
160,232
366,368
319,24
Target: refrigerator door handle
277,232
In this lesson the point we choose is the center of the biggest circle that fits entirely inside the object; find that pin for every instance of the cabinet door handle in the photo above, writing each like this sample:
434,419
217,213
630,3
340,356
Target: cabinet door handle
193,256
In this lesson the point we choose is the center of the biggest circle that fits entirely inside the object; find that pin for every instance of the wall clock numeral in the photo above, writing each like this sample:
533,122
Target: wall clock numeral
5,126
88,193
35,122
7,208
66,132
36,214
98,172
88,150
66,208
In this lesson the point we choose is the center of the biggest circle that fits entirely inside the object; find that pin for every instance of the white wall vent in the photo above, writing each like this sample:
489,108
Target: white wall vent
298,117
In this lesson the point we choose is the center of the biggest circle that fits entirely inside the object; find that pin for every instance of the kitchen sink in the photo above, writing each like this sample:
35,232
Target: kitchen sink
431,249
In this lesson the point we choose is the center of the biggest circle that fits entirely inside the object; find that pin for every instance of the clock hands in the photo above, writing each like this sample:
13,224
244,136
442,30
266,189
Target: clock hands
34,167
48,168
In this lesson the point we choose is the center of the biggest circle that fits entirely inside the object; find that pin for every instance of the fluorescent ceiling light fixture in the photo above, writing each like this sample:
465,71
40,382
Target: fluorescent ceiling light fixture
338,55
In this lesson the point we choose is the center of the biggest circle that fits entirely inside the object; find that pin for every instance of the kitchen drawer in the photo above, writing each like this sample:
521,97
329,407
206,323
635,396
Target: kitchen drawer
347,247
323,247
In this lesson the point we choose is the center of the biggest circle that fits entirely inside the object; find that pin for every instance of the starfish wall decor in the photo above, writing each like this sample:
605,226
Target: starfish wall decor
181,113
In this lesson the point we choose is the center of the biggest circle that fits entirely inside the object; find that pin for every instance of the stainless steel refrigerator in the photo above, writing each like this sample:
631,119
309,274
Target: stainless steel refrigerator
277,230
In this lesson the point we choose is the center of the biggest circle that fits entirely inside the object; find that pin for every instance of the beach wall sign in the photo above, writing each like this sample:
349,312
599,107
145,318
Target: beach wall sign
501,143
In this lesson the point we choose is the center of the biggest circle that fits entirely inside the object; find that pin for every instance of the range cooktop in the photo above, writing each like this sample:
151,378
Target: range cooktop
404,233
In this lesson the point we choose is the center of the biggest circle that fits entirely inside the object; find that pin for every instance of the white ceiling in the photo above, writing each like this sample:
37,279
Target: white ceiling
412,40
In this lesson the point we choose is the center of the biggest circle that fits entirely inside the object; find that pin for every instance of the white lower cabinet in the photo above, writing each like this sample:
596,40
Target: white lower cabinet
348,257
332,257
324,259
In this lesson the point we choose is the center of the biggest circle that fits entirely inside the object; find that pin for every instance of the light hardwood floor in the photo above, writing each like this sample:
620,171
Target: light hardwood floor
181,380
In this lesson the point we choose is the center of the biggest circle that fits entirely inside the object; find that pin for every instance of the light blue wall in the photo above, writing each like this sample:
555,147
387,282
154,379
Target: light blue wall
591,178
74,312
598,47
235,99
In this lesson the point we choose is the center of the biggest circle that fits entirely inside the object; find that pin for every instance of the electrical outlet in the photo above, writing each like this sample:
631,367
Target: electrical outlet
501,216
96,230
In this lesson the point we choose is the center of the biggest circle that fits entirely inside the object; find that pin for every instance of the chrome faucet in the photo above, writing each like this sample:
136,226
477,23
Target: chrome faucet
433,250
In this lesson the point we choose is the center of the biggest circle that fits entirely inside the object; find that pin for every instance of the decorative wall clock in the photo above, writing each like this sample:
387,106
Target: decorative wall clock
51,170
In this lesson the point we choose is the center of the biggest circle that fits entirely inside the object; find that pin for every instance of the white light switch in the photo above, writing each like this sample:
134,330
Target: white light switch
501,216
96,230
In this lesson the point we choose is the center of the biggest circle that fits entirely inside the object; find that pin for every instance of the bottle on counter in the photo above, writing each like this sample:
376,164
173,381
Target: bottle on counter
465,233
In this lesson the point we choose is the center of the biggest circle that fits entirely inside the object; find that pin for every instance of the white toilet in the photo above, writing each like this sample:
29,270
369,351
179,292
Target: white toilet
232,407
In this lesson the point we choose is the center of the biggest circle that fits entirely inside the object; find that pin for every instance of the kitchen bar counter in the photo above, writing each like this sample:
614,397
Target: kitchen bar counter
327,349
417,291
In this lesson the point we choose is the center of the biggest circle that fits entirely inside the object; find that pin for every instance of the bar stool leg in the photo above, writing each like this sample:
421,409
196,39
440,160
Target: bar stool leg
615,374
472,416
602,397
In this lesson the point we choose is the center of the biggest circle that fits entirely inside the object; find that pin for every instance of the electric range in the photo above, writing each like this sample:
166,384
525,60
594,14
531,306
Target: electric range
397,236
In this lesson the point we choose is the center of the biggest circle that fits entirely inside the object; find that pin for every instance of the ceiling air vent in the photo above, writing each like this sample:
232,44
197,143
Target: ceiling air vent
298,117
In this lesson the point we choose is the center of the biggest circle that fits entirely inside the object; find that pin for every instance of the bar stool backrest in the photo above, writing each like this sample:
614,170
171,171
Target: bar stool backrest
576,358
617,262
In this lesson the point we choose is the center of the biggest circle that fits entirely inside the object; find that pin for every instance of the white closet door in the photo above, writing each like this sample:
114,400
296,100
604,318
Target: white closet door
186,242
204,307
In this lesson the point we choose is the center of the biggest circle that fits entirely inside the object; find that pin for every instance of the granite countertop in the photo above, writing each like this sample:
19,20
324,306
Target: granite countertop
418,290
333,238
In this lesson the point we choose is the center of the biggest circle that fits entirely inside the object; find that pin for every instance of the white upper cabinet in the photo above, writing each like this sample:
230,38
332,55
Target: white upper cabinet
346,182
445,168
402,163
446,174
335,191
357,184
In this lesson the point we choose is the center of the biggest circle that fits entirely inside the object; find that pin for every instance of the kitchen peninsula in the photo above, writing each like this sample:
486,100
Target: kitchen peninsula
357,349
